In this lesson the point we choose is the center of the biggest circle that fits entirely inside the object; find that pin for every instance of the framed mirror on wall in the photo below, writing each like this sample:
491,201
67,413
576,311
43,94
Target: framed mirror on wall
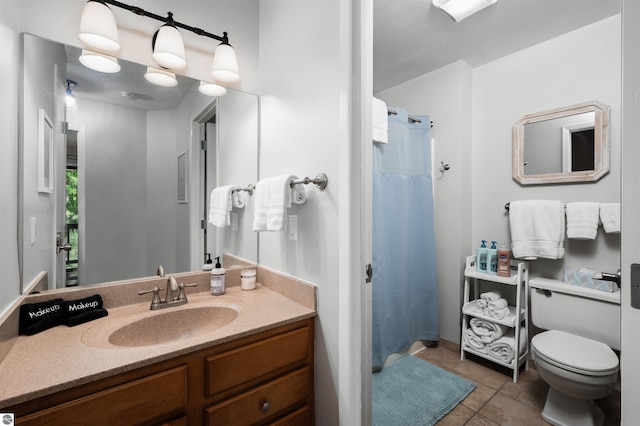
564,145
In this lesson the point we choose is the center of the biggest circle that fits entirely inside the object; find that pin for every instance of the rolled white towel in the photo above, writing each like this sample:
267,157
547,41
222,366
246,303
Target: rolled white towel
500,313
237,199
504,348
490,295
610,217
487,331
471,340
496,305
481,303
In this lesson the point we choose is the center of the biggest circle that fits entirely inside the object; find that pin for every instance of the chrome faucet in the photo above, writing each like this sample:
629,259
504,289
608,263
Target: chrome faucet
172,288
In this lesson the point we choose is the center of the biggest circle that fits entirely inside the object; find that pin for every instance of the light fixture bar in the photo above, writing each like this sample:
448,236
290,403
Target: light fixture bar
163,19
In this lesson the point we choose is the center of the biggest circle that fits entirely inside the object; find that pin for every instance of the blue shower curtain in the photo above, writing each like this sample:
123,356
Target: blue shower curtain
404,284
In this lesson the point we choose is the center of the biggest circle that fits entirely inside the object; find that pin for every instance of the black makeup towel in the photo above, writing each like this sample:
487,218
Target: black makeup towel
83,310
37,317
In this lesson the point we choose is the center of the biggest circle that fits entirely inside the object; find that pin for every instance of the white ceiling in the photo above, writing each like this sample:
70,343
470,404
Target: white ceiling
411,37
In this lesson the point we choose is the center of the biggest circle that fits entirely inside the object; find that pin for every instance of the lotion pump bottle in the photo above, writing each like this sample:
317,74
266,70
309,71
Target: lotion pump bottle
208,265
492,259
504,262
481,258
217,279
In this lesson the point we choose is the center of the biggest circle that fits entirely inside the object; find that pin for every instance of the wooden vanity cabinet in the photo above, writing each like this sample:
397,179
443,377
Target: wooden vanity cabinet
266,378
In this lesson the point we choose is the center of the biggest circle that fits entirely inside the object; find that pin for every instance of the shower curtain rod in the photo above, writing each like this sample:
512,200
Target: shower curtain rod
411,119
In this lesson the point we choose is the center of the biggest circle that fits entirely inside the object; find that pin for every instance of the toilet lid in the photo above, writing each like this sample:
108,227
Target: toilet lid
575,353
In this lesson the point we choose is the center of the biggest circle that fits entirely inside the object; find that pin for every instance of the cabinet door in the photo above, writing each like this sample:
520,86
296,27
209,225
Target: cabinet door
156,397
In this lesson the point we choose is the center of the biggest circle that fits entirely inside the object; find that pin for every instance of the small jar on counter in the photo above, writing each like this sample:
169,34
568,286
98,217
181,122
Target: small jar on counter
248,279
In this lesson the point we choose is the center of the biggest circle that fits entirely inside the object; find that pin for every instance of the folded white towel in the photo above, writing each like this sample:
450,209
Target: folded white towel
582,220
500,313
496,305
482,303
504,348
537,229
237,199
490,295
380,121
472,341
220,205
610,217
273,196
487,331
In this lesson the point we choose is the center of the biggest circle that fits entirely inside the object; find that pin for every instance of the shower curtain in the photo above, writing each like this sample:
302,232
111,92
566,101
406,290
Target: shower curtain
404,284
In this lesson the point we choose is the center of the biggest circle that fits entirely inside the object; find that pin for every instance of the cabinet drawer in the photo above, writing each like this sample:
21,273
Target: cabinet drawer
142,400
263,402
235,367
300,417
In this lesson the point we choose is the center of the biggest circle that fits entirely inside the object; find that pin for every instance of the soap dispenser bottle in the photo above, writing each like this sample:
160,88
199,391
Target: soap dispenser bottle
492,259
208,265
217,279
504,262
481,258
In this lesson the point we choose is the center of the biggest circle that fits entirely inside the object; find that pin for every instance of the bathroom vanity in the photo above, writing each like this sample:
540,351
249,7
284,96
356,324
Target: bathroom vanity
176,366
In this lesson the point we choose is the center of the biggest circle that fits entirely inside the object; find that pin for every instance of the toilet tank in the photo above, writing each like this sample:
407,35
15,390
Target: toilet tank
594,314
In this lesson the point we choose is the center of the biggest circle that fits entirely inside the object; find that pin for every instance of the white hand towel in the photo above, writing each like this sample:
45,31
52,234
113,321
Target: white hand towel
582,220
380,121
260,202
220,206
273,196
504,348
237,199
487,331
610,217
490,295
500,313
537,229
471,340
496,305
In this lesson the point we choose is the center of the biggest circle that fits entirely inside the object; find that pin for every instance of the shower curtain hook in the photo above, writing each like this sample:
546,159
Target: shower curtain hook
444,167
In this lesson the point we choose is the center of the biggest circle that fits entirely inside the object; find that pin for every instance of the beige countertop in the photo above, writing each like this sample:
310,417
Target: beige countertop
63,357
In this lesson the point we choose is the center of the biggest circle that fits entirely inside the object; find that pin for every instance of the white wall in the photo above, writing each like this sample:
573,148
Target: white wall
304,85
10,67
445,95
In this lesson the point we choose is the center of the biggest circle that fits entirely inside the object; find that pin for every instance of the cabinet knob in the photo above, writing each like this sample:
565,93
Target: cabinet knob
265,406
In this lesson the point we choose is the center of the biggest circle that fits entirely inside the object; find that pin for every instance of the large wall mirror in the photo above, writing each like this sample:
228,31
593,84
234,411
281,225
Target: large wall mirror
131,180
564,145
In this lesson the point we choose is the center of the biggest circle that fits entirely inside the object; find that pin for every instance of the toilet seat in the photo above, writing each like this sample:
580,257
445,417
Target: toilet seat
575,353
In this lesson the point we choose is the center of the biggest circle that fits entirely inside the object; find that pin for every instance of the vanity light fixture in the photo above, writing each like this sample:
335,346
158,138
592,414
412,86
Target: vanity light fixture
99,61
70,99
161,77
168,47
211,89
461,9
99,30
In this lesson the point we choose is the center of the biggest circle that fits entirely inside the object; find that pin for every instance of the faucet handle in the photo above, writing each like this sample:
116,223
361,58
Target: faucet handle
182,294
156,295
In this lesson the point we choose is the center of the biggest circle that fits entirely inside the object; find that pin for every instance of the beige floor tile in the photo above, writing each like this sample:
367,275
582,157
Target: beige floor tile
481,394
457,417
530,389
482,374
507,411
443,358
479,420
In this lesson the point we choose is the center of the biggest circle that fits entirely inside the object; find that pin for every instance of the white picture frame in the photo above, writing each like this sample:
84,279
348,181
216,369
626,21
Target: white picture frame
182,178
45,153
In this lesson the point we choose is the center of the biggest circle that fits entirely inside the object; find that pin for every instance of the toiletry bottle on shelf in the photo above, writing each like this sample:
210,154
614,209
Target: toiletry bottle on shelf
492,259
217,279
481,258
208,265
504,262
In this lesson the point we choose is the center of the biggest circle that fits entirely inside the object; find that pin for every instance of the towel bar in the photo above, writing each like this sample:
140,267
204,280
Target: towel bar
249,188
320,181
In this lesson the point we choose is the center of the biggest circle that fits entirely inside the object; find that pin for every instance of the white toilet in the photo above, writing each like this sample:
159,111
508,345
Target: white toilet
574,356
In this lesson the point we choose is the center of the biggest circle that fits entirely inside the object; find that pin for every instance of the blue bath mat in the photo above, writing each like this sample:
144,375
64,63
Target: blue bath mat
412,392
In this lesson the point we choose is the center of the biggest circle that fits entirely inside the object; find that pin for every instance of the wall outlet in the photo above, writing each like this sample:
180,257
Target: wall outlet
34,230
293,227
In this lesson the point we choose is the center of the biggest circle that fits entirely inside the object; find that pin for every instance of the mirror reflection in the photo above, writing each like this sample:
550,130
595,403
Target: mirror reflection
568,144
132,174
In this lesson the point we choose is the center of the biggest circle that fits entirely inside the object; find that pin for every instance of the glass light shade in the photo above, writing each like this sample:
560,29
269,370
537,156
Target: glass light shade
461,9
161,77
168,48
225,64
211,89
98,27
71,102
99,62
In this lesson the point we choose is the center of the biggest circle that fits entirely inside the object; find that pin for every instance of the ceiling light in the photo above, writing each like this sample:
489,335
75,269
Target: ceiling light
70,100
168,47
225,64
161,77
461,9
211,89
99,62
98,27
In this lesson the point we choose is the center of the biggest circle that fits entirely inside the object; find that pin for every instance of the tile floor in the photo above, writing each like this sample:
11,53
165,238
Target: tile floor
496,399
